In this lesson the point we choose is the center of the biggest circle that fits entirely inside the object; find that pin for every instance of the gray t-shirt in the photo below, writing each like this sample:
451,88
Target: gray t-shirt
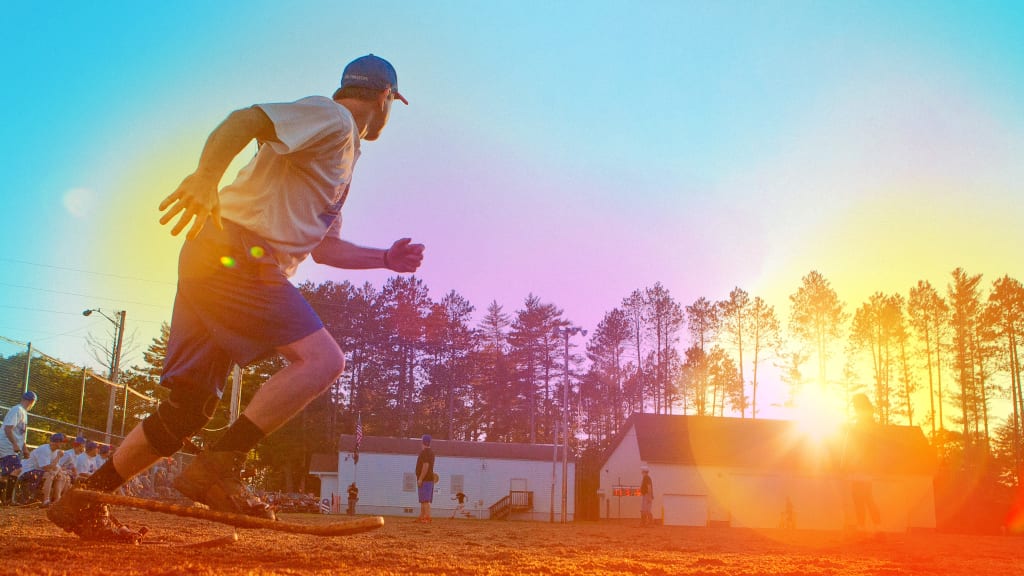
291,193
17,419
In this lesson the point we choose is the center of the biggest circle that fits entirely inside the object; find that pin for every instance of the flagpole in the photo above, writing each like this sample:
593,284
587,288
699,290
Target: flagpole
359,440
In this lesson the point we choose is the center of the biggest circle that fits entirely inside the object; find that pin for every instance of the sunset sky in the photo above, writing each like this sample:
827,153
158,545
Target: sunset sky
573,150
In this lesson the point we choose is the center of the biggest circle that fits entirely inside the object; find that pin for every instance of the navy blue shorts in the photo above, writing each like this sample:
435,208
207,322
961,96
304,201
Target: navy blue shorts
233,306
426,492
32,479
9,464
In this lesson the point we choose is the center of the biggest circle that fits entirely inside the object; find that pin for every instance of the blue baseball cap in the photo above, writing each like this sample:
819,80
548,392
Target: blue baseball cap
90,445
30,395
58,437
104,449
426,439
79,440
372,72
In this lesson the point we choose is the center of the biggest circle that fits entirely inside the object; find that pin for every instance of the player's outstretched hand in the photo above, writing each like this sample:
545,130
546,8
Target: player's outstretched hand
196,197
404,256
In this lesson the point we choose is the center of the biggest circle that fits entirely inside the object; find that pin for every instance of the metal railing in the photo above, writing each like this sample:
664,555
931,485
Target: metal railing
516,501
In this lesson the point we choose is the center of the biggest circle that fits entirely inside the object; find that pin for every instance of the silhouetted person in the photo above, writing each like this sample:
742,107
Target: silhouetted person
646,496
353,497
859,461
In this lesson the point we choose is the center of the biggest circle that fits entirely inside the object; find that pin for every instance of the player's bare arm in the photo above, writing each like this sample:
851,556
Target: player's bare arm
197,197
9,432
403,256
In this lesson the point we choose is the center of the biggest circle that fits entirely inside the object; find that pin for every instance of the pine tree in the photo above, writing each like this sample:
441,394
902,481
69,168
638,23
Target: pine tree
535,350
665,320
816,318
928,317
965,306
734,315
763,328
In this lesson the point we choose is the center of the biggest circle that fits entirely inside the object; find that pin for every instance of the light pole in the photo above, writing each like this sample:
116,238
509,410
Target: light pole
567,332
115,363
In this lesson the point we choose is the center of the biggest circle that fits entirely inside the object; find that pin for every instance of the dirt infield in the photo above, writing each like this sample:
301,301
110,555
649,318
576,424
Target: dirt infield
32,546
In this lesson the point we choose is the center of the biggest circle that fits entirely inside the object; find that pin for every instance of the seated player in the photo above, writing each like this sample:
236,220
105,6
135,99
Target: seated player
67,461
85,463
102,455
44,464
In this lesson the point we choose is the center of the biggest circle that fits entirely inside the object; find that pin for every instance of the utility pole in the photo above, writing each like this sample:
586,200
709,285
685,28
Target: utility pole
115,375
554,463
115,367
567,332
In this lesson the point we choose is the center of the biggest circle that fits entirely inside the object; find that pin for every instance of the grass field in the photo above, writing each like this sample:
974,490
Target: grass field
32,547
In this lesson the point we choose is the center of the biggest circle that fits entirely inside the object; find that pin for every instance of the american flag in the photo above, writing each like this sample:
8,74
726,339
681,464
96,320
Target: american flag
359,437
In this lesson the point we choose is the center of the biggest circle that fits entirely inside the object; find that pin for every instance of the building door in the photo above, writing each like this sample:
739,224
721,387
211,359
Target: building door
517,485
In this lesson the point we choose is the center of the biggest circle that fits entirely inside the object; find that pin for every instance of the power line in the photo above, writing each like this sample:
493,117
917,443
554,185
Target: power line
53,267
118,300
134,320
41,310
46,335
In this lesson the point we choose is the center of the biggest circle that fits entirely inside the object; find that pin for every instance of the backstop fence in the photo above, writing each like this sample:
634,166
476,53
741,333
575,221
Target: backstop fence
72,399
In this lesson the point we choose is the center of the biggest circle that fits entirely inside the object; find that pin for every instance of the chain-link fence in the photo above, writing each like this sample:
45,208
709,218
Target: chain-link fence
75,401
72,400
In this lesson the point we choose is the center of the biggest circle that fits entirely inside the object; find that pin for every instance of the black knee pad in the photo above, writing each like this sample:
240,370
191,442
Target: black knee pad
178,418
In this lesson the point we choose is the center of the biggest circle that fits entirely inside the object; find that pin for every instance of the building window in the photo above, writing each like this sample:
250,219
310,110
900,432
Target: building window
409,482
457,483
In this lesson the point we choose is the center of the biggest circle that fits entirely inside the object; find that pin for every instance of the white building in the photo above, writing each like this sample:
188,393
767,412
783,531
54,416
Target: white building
746,473
517,481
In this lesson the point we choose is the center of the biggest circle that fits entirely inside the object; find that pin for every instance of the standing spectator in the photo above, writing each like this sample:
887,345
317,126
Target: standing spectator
12,442
425,479
43,466
788,519
646,496
859,462
353,497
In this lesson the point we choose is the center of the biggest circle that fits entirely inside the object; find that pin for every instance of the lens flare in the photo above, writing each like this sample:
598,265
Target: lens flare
818,414
257,251
227,261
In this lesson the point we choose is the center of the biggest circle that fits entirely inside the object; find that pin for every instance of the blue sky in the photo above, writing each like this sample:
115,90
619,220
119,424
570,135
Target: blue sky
573,150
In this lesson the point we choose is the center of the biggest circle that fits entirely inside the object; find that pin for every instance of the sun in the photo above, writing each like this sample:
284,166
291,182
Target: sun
818,414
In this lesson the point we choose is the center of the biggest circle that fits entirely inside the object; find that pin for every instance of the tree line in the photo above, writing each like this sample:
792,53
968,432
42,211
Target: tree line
943,358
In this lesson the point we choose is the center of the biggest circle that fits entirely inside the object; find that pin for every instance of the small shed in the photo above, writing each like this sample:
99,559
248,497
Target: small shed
500,480
750,473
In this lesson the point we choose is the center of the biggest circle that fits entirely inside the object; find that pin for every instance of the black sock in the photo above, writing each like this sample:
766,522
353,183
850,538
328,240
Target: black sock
241,437
106,479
